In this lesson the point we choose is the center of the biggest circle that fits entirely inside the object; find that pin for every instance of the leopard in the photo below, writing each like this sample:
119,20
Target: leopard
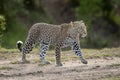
60,36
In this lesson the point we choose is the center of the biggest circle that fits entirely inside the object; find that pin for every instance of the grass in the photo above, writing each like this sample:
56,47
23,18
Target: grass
102,53
37,60
8,53
114,65
66,55
50,59
111,78
3,50
47,58
42,64
5,68
15,62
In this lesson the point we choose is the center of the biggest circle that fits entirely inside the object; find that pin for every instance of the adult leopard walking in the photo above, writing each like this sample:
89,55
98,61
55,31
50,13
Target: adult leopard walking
63,35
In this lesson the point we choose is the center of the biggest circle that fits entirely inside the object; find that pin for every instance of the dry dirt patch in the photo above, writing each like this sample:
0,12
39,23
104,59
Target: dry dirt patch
107,68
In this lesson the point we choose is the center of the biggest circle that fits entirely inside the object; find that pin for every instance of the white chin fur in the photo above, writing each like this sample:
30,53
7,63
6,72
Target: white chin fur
19,42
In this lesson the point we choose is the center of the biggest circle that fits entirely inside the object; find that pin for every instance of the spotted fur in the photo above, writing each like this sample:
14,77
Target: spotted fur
63,35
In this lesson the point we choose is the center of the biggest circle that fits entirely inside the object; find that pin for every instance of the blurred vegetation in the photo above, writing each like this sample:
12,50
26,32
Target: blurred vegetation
2,27
102,18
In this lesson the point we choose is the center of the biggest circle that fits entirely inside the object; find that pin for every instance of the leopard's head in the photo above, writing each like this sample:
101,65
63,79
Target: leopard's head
80,28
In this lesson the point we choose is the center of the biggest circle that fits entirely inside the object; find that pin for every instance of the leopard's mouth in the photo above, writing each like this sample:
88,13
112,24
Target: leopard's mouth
82,36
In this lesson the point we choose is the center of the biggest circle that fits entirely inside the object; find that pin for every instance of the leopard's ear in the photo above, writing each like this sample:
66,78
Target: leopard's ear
71,23
82,21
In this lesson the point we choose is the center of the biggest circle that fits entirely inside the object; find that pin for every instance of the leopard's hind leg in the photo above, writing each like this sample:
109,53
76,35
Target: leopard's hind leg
28,46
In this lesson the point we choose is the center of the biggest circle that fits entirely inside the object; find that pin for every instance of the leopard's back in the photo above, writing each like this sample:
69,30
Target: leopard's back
43,32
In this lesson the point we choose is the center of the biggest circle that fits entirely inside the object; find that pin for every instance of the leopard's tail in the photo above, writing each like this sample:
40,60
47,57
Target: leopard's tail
19,45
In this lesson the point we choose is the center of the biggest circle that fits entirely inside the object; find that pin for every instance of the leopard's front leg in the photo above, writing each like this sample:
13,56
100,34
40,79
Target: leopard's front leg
58,55
77,51
44,47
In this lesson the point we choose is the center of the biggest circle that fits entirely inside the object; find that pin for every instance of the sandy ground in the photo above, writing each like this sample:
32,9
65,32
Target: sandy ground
96,69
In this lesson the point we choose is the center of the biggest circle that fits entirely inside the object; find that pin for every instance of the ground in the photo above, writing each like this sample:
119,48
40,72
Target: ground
103,64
